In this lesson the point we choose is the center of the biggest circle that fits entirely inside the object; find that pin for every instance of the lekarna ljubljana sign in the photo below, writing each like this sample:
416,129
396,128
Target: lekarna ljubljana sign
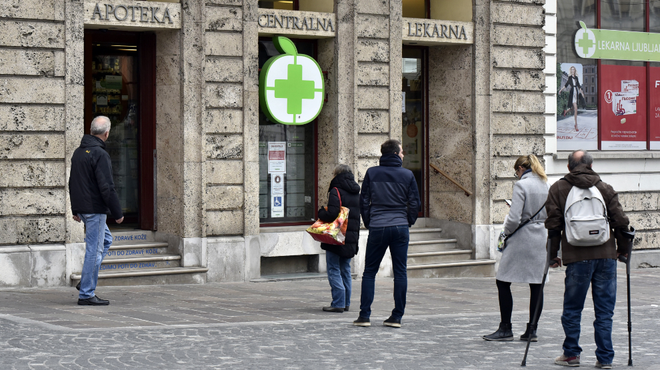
617,45
291,89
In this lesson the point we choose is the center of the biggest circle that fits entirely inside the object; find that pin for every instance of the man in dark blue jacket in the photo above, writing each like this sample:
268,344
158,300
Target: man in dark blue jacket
389,203
93,193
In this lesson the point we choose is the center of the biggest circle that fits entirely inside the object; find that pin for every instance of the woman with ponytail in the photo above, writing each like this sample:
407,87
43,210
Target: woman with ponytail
523,260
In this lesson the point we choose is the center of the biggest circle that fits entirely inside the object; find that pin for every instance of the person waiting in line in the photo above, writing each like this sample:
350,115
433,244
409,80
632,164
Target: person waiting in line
338,257
574,90
523,259
93,195
389,203
586,266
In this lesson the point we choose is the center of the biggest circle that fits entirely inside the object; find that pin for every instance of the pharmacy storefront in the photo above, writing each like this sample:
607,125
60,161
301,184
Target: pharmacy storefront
228,118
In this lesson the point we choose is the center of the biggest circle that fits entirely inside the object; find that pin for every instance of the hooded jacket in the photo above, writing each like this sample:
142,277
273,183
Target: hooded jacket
583,177
389,194
349,190
90,184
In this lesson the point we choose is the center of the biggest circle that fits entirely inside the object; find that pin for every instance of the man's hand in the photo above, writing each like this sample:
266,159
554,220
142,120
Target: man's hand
120,220
555,262
76,218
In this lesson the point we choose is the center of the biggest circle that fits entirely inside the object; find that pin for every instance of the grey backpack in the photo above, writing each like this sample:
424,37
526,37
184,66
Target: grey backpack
586,220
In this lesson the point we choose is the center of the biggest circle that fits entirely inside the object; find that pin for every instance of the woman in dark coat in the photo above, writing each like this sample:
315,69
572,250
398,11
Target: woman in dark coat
338,257
573,91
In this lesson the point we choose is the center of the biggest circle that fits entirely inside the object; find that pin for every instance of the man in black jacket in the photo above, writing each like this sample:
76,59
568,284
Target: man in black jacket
92,193
389,203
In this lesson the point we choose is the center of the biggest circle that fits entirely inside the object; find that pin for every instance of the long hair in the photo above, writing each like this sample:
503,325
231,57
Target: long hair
531,162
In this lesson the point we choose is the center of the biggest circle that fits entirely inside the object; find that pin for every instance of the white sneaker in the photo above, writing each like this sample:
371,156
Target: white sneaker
573,361
603,366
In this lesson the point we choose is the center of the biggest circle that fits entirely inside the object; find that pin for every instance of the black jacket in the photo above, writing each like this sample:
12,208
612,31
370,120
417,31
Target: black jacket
90,184
389,194
350,198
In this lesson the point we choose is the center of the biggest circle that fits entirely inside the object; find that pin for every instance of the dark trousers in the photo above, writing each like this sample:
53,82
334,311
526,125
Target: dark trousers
506,300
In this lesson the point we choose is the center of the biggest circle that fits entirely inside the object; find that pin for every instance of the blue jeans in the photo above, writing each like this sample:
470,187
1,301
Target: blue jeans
339,277
601,274
97,241
397,238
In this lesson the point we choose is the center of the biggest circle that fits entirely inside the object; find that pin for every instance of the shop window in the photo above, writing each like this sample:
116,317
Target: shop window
622,114
287,167
279,4
450,10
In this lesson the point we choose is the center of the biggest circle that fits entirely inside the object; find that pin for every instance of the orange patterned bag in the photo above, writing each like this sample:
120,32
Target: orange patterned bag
331,232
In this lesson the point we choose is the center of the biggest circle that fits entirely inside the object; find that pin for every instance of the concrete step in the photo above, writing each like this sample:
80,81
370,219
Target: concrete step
467,268
156,276
426,258
141,263
436,245
425,233
120,237
137,249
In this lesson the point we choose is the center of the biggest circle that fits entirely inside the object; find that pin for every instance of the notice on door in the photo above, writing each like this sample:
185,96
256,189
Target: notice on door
277,194
276,156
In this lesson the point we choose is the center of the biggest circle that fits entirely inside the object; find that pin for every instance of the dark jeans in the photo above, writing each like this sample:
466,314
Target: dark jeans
601,275
380,238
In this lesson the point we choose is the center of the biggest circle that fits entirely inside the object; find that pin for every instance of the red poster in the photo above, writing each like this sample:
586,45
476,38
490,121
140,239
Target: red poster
654,108
623,108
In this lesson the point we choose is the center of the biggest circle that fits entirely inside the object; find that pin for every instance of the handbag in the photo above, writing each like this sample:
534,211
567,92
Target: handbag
501,240
331,232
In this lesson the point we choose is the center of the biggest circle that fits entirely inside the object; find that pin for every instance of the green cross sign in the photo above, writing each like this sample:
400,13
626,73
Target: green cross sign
585,43
294,89
291,88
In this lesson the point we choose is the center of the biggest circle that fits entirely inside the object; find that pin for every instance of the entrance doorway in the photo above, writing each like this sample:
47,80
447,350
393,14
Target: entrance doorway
120,69
414,117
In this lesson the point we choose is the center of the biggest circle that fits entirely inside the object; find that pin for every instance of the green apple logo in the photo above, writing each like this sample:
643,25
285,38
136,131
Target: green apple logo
291,87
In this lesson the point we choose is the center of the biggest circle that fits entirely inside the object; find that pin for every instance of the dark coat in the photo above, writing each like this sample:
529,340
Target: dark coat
389,194
583,177
350,198
90,184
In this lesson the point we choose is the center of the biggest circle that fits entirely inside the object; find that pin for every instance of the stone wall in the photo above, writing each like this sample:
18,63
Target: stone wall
32,122
518,103
227,75
33,144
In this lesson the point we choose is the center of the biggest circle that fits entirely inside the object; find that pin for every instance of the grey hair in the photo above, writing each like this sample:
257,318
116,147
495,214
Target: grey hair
585,159
100,125
341,168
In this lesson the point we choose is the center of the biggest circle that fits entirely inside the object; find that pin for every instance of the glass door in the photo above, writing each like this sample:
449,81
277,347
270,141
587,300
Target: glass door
413,119
114,82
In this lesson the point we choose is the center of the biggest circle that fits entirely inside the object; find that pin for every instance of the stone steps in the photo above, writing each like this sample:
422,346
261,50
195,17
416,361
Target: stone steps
432,256
465,268
136,258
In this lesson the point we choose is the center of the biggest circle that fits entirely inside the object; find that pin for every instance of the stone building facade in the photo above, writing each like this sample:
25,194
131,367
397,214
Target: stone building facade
484,102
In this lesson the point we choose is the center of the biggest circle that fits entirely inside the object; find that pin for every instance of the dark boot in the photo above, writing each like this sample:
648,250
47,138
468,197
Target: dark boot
503,333
531,330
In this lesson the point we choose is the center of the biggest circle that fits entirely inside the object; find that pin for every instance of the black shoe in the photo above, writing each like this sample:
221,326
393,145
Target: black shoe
361,321
503,333
531,329
78,286
392,322
346,308
94,301
333,309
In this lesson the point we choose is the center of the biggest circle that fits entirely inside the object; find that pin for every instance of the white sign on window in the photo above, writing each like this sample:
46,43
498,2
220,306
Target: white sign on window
276,156
277,194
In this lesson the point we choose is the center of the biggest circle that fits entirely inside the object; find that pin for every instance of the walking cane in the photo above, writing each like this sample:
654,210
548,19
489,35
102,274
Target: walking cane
537,310
629,236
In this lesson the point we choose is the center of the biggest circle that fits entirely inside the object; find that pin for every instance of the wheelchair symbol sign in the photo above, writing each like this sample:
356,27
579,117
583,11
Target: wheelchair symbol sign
277,201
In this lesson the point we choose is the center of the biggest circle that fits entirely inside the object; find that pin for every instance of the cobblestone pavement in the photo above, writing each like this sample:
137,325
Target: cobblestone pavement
279,325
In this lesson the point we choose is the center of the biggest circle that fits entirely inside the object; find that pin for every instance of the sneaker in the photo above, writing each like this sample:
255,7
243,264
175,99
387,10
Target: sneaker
361,321
603,366
392,322
573,361
333,309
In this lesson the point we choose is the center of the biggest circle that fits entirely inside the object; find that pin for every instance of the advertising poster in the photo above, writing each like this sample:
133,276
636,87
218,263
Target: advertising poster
277,194
577,114
654,108
276,156
623,108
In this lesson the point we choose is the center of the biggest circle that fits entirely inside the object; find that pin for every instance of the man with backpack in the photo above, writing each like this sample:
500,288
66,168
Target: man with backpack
582,211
